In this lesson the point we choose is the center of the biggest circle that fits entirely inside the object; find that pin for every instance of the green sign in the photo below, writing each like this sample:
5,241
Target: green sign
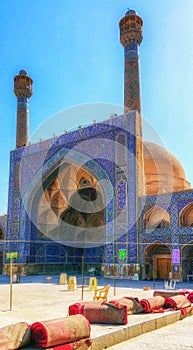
122,254
12,255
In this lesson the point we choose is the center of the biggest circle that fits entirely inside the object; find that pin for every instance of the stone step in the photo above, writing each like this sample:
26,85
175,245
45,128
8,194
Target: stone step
105,336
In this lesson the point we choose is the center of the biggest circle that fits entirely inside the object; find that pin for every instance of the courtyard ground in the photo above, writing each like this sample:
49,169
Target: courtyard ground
34,299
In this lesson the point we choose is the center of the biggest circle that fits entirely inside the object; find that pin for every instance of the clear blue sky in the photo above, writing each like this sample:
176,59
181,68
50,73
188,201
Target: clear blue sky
71,50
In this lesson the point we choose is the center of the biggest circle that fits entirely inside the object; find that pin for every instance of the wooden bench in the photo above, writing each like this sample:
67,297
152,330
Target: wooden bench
101,293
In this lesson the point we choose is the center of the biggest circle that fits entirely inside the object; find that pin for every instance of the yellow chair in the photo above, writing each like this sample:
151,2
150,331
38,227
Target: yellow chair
92,283
101,293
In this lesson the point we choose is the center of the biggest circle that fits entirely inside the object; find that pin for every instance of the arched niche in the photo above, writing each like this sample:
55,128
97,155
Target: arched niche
156,218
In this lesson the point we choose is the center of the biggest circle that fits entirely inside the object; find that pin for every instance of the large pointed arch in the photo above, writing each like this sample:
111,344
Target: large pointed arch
51,168
89,174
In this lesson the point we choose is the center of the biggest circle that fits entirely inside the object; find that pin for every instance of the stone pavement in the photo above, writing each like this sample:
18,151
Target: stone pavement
43,301
40,301
177,336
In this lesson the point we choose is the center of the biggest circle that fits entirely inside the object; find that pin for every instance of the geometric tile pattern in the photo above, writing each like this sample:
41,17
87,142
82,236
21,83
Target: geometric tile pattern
132,82
22,121
121,194
174,235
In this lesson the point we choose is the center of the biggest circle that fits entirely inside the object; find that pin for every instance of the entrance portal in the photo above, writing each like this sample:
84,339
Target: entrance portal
157,258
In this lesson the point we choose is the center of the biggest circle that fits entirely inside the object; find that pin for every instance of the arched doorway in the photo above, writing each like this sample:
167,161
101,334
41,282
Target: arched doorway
157,258
187,260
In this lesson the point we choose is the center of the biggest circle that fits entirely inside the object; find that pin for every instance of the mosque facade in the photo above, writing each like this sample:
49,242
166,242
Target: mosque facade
99,192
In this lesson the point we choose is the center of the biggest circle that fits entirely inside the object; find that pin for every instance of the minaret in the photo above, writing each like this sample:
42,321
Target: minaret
131,36
23,91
